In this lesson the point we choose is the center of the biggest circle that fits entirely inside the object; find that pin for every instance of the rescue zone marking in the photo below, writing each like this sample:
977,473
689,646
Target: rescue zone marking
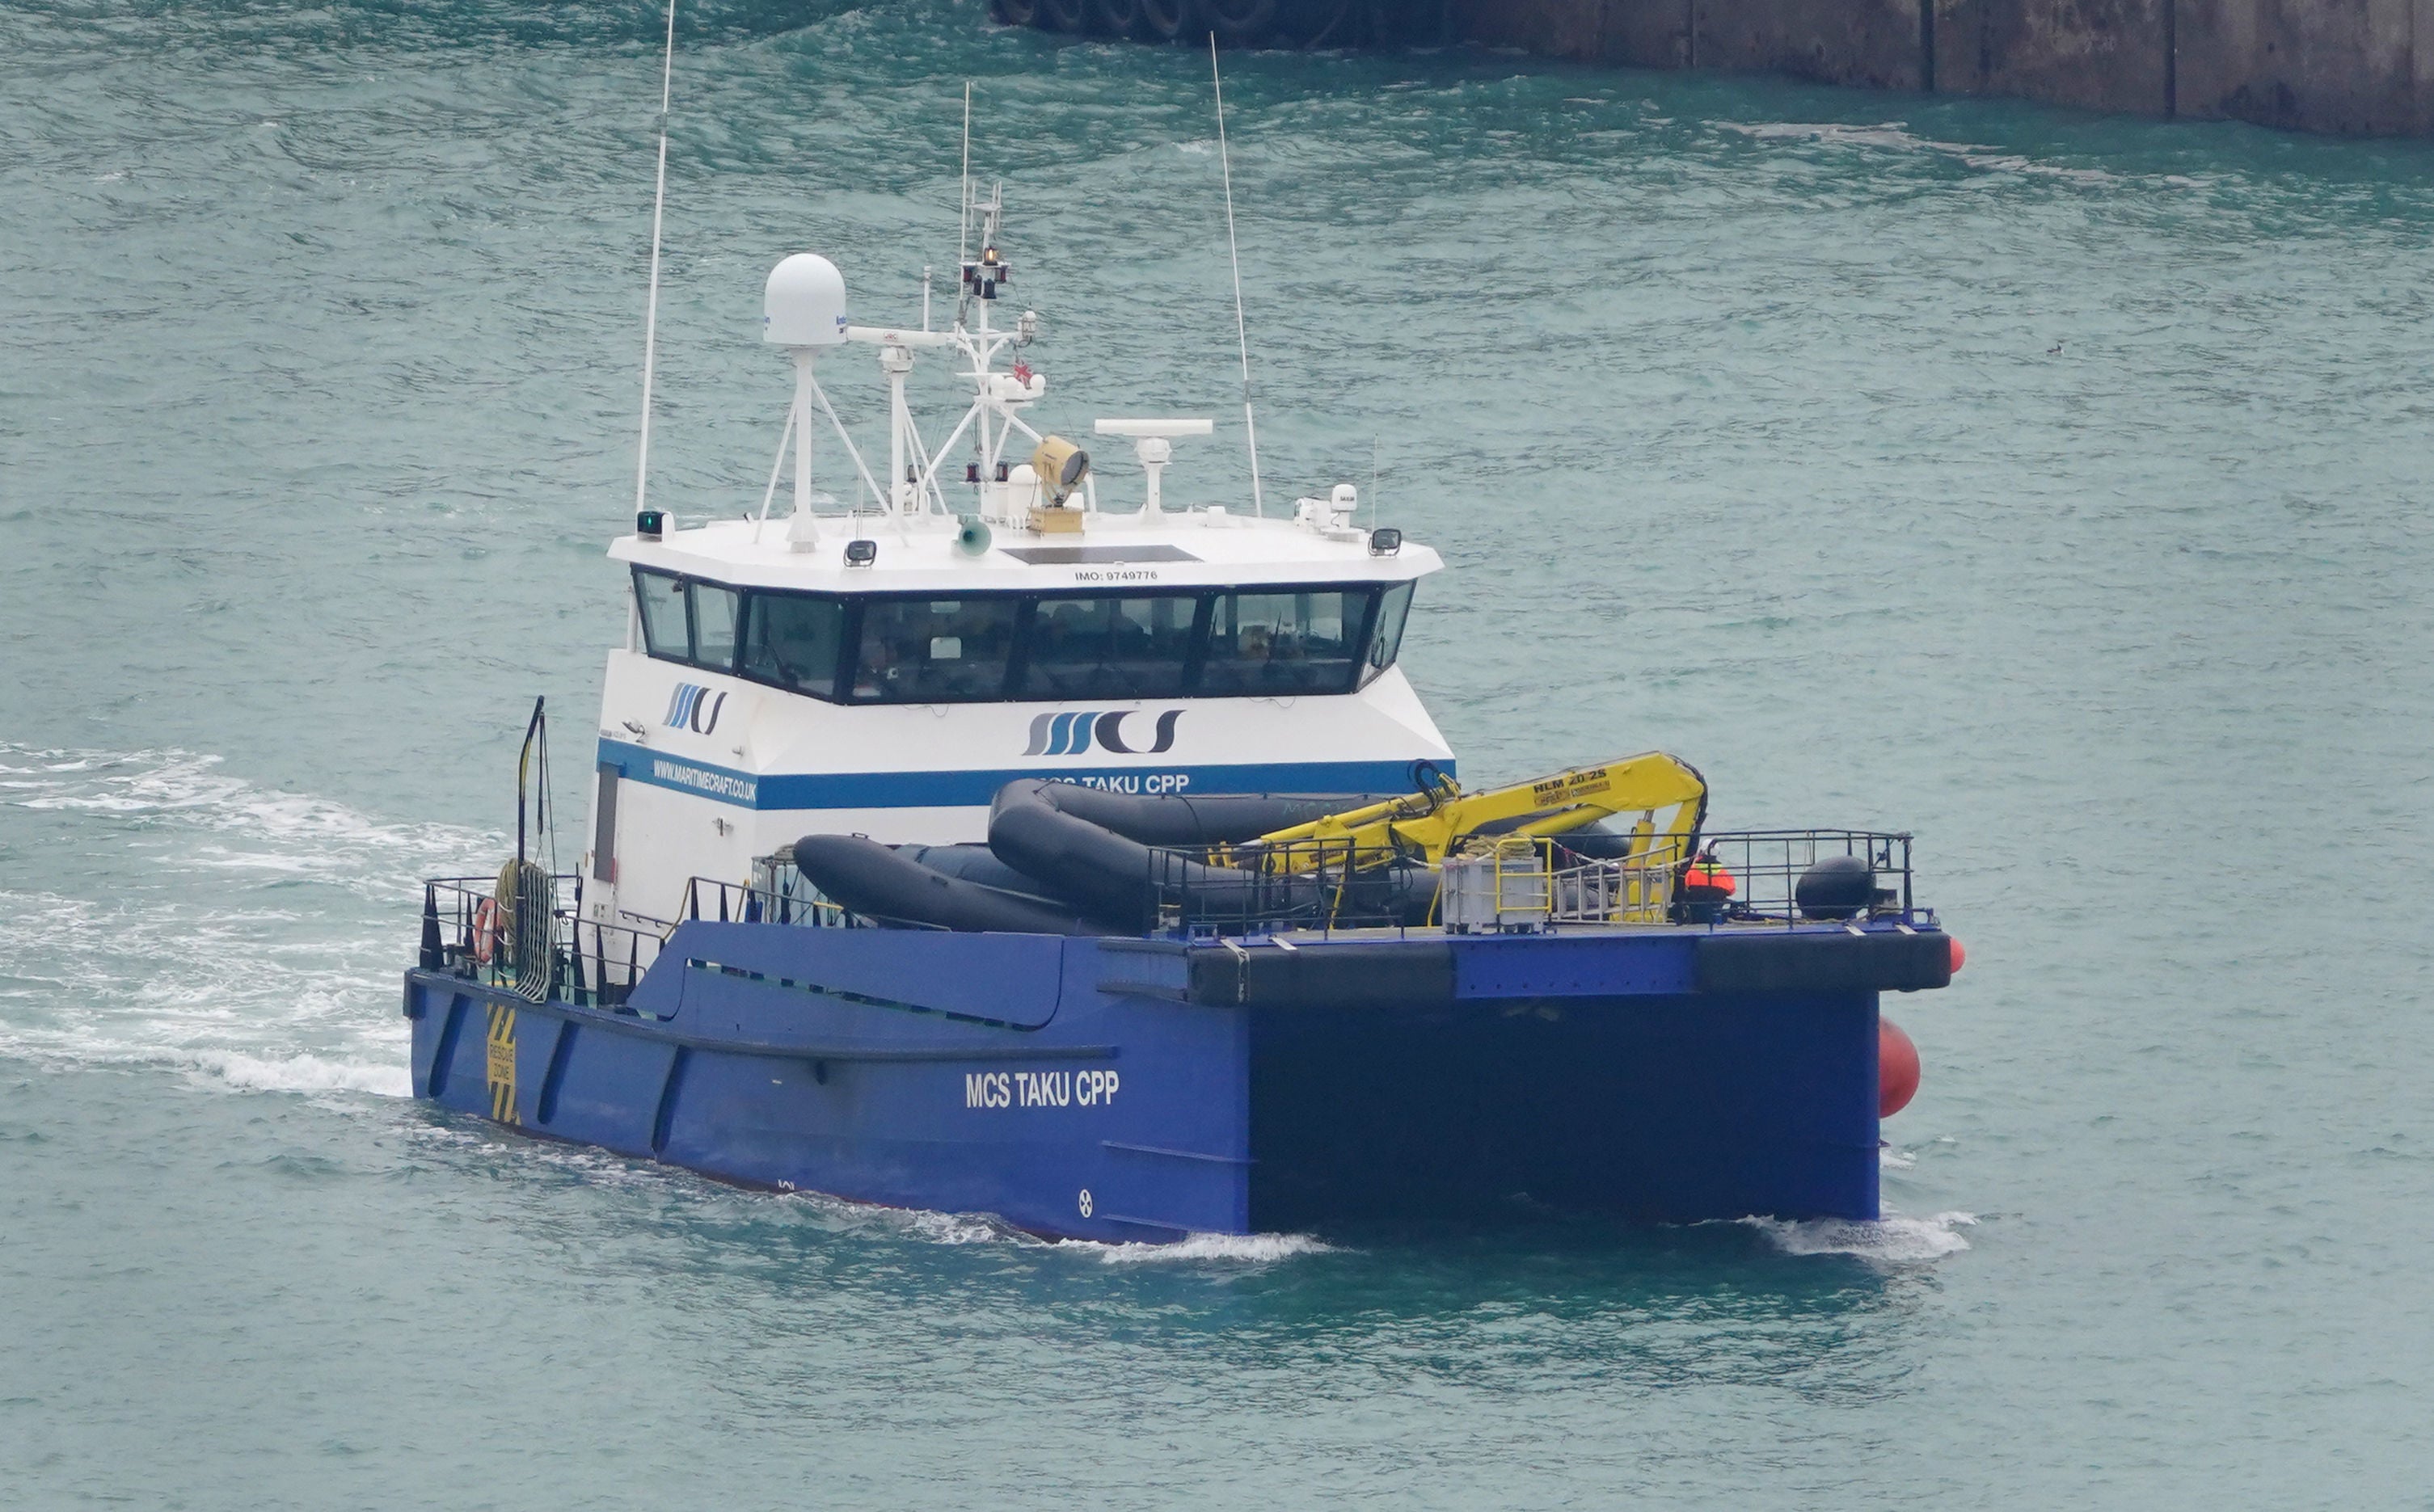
499,1064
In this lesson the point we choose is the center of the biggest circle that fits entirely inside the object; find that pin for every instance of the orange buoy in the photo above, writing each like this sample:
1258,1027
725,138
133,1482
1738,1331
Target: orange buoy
1959,957
1896,1067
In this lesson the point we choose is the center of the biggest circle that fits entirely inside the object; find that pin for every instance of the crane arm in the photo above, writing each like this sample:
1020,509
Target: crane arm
1434,821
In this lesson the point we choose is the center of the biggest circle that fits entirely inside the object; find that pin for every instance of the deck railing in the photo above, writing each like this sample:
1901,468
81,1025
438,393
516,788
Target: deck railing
1523,882
1510,884
794,902
1316,885
1531,883
1767,866
592,962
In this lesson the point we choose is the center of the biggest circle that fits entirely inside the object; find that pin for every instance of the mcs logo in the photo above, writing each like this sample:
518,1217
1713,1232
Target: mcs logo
694,707
1073,734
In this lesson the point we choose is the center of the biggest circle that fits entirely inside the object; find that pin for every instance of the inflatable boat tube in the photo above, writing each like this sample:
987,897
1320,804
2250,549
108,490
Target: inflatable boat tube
1596,842
1103,854
1059,833
870,879
1226,819
977,863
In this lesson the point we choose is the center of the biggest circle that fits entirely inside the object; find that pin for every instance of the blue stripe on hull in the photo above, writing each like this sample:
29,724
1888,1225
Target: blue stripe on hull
775,1061
974,790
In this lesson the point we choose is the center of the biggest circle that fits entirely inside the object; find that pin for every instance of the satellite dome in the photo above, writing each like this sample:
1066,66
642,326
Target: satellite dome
804,304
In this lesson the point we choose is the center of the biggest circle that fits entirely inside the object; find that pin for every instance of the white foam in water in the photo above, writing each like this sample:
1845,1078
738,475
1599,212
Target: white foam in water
1891,136
943,1227
183,787
1893,1239
983,1227
1237,1248
251,938
306,1073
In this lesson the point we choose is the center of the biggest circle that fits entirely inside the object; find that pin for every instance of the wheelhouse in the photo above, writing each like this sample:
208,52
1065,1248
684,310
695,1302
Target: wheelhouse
1271,641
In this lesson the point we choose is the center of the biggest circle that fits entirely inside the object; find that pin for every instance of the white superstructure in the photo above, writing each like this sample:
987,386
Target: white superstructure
883,670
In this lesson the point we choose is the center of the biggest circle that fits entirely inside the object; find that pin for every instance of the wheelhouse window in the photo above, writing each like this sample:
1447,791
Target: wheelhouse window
1283,644
665,628
1108,647
933,650
795,642
713,625
1386,639
688,620
1059,648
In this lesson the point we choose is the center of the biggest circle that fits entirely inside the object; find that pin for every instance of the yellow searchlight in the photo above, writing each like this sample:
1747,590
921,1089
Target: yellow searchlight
1061,466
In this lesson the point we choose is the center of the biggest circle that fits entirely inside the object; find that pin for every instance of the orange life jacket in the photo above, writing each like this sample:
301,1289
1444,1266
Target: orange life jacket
1708,876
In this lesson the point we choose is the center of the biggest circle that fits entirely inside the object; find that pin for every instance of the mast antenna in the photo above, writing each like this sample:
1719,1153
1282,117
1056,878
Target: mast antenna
1241,337
1373,480
651,316
964,216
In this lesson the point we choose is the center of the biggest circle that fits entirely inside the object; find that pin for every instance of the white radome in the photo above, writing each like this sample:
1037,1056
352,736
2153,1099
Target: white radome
804,303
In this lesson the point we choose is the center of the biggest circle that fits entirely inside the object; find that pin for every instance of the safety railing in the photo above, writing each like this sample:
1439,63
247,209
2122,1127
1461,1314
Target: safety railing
605,961
543,947
1511,884
472,926
1528,882
794,902
1635,889
1789,876
1316,885
539,952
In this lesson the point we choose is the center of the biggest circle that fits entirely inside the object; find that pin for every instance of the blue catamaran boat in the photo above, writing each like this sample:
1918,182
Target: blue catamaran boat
1015,842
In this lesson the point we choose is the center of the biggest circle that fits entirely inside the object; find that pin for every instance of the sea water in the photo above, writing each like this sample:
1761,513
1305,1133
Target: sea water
2053,486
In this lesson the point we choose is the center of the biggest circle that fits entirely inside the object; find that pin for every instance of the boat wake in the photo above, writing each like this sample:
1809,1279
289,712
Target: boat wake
1896,1239
1250,1250
197,922
303,1073
1239,1249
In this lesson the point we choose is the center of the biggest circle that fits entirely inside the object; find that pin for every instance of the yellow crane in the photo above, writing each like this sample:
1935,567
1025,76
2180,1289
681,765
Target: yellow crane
1426,824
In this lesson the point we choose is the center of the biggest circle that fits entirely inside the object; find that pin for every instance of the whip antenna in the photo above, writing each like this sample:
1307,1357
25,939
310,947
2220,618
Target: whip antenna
964,219
651,316
1241,338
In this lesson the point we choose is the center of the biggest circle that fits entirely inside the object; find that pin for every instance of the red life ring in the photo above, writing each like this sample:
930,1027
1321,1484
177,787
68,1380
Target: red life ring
486,930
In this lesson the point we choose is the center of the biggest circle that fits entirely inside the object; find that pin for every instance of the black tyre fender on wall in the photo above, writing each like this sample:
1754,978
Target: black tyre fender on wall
1119,18
1015,13
1064,15
1171,20
1239,22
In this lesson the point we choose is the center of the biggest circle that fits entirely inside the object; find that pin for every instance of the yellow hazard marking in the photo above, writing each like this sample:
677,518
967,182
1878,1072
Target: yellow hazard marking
503,1063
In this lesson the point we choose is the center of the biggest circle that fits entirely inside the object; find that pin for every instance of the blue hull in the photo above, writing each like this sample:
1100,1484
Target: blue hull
1140,1090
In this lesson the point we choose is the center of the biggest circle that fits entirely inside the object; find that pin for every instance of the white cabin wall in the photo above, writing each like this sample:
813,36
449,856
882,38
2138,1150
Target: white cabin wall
665,838
599,893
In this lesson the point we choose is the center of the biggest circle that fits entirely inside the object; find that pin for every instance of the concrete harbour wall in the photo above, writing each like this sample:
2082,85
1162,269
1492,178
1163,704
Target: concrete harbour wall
2356,66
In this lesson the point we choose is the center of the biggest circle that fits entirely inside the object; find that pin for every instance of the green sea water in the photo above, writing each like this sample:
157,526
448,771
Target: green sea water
2052,485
